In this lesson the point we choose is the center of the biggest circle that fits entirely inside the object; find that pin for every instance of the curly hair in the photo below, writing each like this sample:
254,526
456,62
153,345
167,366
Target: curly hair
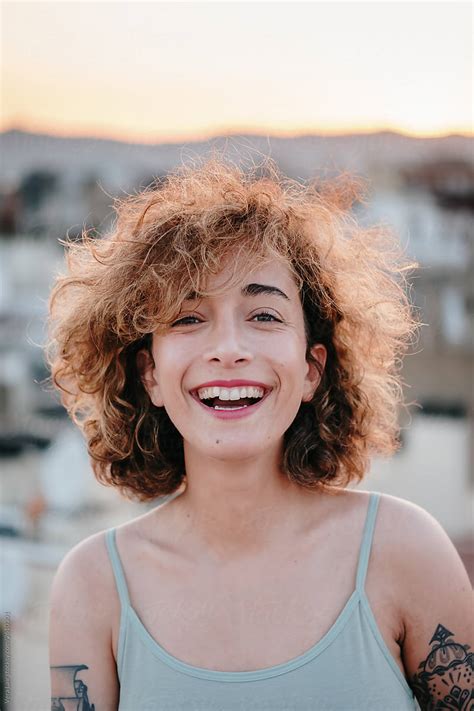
121,287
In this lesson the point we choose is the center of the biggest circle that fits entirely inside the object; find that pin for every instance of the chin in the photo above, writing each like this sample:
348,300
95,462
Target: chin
237,451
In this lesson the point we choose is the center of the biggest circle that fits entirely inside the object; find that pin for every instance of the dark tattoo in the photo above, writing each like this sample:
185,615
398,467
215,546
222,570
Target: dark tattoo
67,692
444,680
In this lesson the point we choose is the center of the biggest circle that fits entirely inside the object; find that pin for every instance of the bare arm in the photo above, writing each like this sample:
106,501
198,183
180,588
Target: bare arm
80,644
437,611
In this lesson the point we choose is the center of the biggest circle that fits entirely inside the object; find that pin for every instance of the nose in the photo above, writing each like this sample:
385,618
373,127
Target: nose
226,344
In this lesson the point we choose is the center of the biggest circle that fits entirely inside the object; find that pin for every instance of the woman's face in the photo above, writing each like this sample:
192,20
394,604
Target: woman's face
251,337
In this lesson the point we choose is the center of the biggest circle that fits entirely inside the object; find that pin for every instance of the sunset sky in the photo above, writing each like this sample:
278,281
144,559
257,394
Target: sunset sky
147,71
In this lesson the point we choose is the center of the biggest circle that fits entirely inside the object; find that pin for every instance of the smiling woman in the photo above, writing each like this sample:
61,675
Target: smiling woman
236,341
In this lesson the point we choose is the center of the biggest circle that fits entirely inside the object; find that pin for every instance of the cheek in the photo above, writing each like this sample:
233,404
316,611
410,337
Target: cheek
168,358
291,365
172,364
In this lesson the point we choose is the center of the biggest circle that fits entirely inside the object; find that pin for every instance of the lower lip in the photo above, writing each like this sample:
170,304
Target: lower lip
232,414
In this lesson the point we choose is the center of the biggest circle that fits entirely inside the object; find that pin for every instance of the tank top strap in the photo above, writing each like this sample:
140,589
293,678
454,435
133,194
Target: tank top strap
366,543
117,568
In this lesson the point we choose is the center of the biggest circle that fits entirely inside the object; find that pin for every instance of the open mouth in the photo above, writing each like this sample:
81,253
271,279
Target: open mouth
226,401
217,404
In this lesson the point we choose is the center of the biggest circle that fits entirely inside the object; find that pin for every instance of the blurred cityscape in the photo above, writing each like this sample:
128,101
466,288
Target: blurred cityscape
52,186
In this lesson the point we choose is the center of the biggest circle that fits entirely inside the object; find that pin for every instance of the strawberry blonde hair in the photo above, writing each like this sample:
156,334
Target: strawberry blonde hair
168,239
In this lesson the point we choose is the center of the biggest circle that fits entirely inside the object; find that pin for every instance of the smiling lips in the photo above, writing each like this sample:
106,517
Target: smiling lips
216,396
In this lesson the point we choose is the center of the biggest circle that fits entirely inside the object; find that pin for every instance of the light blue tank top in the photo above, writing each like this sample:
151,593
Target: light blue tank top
349,669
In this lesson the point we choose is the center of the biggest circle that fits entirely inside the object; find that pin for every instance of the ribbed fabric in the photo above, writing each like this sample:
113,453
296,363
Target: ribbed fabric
349,669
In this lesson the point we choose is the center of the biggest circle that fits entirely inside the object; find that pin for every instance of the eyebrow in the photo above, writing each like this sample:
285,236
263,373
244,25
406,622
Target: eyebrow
249,290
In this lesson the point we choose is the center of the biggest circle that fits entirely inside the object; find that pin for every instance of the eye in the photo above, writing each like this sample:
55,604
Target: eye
267,316
185,321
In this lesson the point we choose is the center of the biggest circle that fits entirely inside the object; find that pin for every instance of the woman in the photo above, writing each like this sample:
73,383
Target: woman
234,342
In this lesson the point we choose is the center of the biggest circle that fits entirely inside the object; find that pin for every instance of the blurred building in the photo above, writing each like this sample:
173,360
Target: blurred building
432,210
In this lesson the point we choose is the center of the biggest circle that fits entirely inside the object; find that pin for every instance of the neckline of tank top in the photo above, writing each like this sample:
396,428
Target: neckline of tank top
356,599
256,674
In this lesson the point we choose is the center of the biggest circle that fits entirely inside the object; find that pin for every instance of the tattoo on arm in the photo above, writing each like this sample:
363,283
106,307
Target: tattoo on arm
67,692
445,678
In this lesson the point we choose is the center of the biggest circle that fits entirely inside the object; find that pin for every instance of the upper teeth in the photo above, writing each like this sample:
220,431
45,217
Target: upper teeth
230,393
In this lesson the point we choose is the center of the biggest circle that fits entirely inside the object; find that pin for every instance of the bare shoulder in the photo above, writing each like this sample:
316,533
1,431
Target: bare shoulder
418,551
415,540
88,556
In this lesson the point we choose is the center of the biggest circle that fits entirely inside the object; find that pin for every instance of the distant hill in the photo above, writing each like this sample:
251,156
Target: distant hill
121,164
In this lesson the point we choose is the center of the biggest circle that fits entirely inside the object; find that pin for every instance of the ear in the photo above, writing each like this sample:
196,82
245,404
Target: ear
313,378
146,369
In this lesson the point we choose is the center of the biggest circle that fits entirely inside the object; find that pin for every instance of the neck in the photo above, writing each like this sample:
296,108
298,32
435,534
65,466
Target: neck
233,510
